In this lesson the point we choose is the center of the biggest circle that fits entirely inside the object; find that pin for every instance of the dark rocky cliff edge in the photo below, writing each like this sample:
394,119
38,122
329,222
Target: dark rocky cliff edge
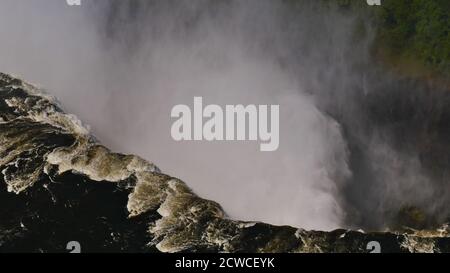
59,184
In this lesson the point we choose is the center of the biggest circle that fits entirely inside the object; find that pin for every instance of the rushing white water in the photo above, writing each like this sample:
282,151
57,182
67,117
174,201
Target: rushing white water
125,89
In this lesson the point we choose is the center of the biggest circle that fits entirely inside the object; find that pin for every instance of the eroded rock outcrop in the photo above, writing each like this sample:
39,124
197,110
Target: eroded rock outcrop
59,184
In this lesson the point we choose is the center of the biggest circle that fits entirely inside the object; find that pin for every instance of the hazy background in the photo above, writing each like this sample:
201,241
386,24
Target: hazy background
121,66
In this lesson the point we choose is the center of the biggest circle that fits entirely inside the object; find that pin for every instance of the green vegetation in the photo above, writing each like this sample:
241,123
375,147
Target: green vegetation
413,36
416,31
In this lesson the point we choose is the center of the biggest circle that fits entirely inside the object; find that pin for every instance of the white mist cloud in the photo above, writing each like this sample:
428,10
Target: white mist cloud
123,76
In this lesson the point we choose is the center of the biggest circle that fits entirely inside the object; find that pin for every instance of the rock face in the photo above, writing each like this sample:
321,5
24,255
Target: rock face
59,184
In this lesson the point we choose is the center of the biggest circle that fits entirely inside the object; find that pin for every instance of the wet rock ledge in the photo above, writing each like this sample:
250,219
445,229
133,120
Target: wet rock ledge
59,184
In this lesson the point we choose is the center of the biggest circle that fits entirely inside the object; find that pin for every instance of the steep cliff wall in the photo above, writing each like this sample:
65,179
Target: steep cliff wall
59,184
